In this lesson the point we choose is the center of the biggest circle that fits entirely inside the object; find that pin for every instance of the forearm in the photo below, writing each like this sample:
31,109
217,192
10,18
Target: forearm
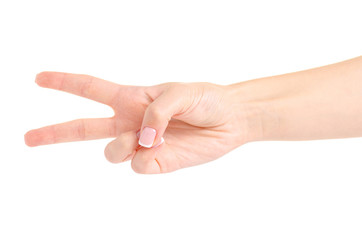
319,103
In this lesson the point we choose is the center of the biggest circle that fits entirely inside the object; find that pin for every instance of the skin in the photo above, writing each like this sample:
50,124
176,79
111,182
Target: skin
201,122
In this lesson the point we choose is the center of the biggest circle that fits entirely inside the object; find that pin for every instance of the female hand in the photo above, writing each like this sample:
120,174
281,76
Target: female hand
201,121
198,121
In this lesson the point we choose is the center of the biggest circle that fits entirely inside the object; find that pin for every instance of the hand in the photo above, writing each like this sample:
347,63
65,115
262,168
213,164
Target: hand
198,121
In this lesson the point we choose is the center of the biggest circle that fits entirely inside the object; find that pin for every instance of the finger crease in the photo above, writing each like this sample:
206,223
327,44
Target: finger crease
126,158
81,129
159,165
61,82
86,87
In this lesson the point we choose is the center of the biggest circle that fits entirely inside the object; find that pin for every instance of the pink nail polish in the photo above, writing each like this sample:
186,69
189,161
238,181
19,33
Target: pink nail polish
162,141
147,137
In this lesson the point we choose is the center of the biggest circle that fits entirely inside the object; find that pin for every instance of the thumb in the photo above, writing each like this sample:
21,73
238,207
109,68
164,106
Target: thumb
171,101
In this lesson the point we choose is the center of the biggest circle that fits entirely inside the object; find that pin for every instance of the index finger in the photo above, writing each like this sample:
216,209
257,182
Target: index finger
79,84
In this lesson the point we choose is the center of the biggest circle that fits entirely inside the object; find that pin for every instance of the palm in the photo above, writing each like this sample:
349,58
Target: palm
188,142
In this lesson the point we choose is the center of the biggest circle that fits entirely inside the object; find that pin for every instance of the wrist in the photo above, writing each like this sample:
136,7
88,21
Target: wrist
255,110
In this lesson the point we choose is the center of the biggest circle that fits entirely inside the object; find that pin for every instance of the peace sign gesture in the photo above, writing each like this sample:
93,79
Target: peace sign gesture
195,119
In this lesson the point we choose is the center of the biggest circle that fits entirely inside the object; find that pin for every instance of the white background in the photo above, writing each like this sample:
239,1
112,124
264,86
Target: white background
265,190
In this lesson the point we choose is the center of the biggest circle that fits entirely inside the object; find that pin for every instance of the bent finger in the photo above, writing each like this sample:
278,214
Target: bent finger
145,160
122,148
171,102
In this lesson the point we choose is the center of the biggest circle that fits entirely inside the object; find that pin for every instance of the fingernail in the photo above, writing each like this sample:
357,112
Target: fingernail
162,141
138,134
147,137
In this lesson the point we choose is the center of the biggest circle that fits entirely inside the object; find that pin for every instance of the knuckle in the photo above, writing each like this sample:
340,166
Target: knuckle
80,128
177,87
87,86
155,112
